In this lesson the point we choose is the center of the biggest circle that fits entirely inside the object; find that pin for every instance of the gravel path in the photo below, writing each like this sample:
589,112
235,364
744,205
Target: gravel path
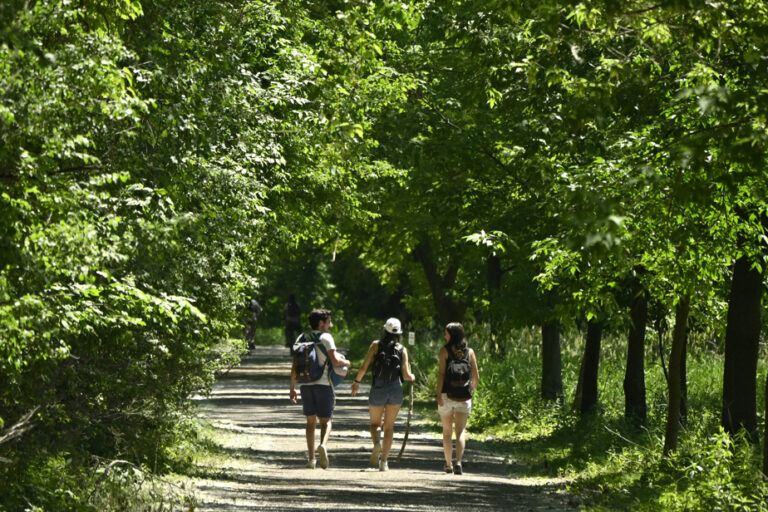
264,452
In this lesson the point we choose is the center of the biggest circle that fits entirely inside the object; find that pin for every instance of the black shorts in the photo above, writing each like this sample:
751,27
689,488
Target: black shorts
317,400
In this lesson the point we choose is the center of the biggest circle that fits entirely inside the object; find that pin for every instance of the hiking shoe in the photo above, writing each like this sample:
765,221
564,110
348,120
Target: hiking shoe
374,461
383,466
448,469
311,464
457,469
323,456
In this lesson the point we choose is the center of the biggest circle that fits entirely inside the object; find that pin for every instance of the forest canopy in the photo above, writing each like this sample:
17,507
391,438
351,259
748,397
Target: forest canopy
565,165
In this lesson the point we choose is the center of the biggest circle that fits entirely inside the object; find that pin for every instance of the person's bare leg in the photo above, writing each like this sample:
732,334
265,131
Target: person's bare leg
460,423
390,415
311,426
376,415
447,438
325,430
325,434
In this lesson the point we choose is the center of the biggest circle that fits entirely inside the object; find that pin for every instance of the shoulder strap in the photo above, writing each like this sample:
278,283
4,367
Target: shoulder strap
322,348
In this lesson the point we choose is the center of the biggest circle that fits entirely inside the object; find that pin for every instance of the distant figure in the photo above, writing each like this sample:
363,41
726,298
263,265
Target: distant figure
457,378
250,329
292,317
390,368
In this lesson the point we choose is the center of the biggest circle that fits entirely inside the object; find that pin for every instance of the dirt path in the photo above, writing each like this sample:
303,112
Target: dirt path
264,453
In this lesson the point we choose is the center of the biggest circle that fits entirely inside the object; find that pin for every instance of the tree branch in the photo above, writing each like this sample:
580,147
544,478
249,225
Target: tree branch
76,169
24,424
642,11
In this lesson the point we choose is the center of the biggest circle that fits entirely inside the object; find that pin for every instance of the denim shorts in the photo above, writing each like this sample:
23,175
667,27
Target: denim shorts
317,400
388,394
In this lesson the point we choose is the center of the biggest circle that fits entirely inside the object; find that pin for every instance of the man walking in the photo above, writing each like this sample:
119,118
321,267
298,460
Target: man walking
250,329
292,318
318,397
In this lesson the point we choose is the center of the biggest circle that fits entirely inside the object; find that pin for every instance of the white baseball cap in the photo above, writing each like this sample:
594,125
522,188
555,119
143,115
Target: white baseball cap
392,326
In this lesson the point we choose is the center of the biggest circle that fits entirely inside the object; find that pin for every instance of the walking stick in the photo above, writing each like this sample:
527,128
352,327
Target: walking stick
407,424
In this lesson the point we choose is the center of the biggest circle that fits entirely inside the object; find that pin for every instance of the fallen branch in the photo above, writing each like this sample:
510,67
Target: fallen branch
22,426
625,439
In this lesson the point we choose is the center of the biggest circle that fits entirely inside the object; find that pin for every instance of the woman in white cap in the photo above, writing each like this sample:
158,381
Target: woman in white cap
390,369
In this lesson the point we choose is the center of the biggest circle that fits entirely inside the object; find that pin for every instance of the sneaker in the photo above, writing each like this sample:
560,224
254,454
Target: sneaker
374,461
383,466
311,464
457,469
323,456
448,469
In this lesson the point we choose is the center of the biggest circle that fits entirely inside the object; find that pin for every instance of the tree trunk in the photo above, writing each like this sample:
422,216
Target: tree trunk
684,382
675,372
493,276
742,336
446,309
551,372
765,438
635,407
586,389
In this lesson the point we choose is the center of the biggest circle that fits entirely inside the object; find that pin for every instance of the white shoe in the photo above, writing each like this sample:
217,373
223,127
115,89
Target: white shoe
311,464
383,466
374,461
323,456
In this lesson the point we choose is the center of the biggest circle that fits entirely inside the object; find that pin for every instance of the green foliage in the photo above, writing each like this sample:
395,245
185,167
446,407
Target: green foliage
610,464
151,155
162,160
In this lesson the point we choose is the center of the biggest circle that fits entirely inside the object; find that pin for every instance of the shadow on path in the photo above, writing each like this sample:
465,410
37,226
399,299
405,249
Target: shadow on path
260,463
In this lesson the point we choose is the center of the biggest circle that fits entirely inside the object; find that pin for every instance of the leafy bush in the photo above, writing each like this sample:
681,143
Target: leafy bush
610,464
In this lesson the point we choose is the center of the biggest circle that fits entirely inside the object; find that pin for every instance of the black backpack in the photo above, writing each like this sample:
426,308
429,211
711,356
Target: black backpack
387,364
458,373
305,360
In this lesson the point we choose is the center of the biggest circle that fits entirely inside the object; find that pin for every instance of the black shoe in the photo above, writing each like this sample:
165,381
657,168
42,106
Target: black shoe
457,469
448,469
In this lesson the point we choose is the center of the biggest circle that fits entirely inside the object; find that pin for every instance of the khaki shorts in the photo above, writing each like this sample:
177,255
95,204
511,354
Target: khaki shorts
451,406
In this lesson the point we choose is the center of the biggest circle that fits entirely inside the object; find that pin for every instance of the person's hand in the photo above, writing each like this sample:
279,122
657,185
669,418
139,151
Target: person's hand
294,396
355,388
440,399
411,377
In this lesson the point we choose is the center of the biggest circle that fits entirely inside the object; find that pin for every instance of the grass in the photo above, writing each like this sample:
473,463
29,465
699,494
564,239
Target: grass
611,465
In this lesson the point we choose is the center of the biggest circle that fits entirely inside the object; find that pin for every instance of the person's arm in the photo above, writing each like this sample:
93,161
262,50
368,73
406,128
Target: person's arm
292,394
337,358
475,371
406,367
364,367
442,357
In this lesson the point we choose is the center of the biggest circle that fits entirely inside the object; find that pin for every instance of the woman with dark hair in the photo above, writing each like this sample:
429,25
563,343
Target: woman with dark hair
390,368
457,378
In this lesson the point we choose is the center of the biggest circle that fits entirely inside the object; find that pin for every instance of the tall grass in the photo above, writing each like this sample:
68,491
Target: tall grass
611,464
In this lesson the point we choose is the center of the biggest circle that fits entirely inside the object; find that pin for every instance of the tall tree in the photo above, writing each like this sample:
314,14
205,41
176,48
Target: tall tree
742,339
674,417
551,372
635,406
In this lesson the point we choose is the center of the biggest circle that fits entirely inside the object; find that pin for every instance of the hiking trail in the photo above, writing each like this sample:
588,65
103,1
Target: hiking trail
264,453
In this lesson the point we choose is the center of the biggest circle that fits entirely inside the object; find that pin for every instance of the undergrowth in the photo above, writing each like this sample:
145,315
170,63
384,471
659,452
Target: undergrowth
610,464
